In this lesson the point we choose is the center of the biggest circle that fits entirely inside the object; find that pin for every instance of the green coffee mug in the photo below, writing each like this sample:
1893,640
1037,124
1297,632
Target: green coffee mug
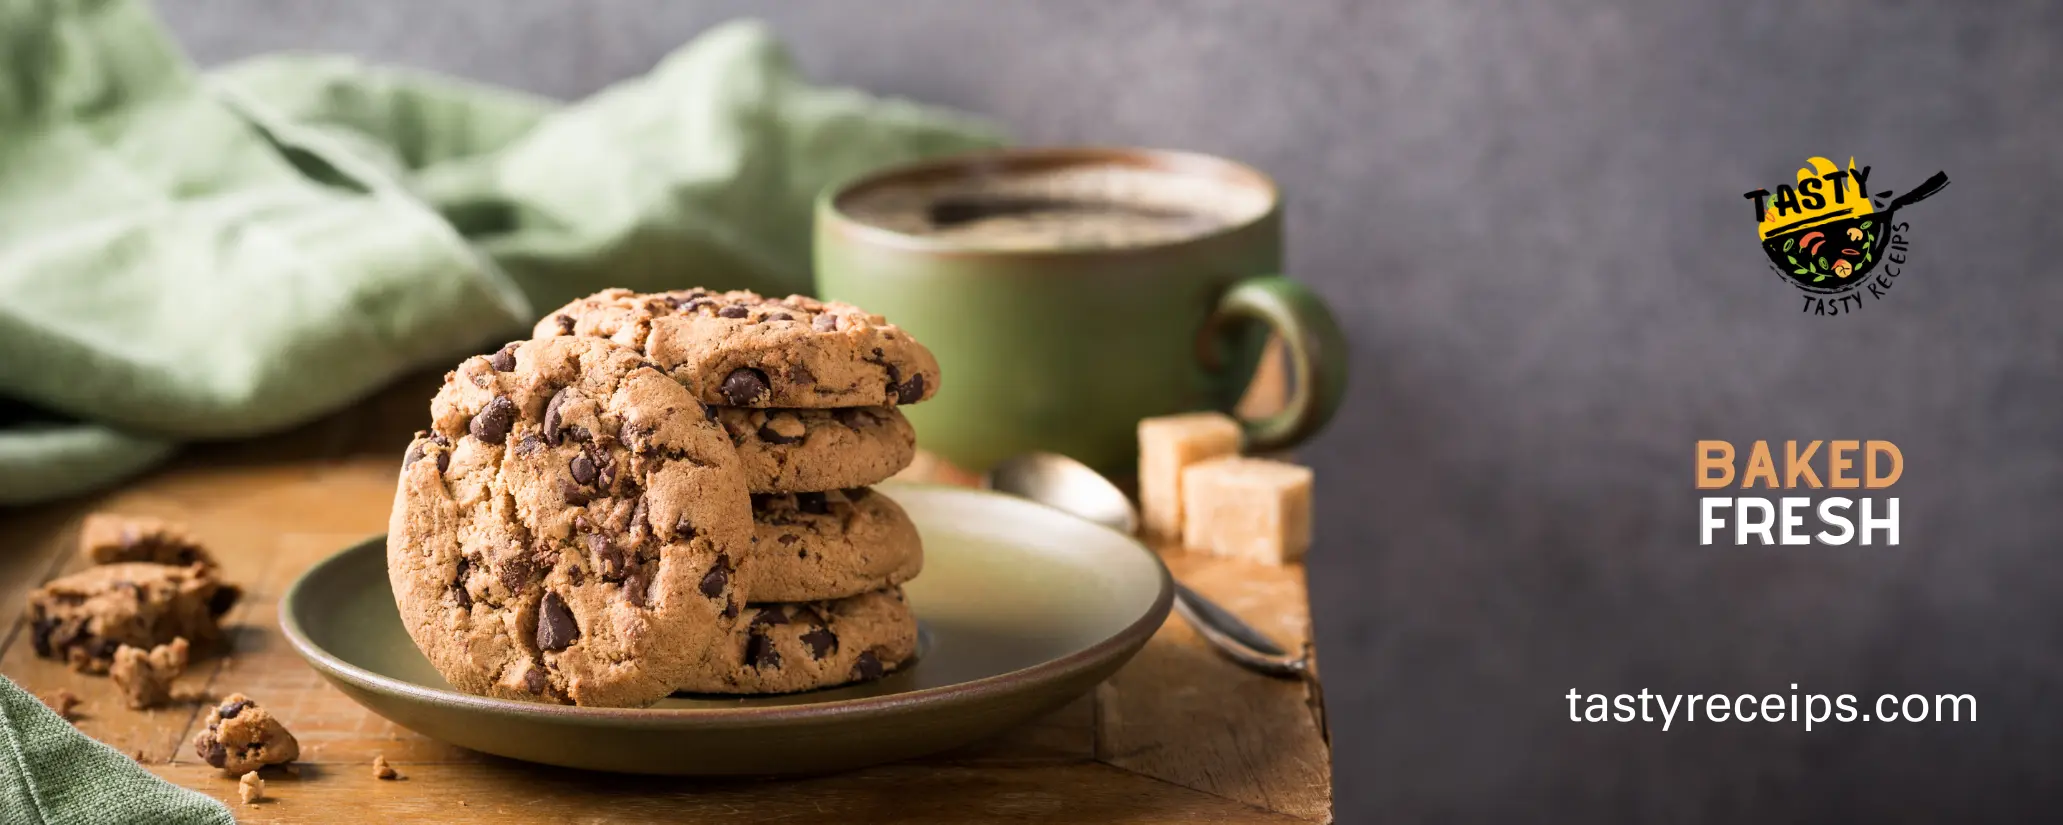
1064,343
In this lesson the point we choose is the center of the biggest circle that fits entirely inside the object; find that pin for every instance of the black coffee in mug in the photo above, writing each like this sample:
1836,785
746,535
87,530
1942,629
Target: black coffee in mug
1060,208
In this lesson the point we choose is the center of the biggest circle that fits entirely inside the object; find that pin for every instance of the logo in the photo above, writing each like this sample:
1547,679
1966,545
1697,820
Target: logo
1834,240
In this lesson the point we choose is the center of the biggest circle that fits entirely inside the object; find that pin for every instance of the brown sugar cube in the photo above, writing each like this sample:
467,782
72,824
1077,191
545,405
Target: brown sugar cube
1250,508
108,538
251,788
1167,445
145,677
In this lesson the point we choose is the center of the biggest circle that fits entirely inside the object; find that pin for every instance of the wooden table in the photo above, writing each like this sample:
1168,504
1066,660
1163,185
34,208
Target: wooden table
1179,735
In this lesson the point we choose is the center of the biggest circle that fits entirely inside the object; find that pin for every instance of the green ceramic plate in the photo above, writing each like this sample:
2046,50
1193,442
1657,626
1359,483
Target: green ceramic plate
1022,608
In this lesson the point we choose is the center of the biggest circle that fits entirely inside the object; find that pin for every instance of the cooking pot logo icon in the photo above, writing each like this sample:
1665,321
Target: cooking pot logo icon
1832,238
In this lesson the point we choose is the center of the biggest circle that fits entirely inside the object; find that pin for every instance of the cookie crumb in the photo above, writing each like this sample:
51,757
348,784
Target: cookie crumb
189,693
64,702
382,770
145,678
251,788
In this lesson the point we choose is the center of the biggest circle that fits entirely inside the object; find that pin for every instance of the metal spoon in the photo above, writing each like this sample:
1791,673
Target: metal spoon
1071,486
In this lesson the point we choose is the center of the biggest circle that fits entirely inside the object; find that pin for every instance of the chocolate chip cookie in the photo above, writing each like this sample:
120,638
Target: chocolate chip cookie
107,538
784,648
570,529
812,546
239,736
792,451
741,349
85,617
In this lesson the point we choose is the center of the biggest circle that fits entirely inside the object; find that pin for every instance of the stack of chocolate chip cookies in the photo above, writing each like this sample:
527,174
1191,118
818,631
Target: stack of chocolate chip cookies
663,493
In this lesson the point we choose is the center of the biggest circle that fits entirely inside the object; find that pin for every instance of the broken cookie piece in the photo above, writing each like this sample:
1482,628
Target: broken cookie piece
111,538
382,770
251,787
241,736
85,617
145,677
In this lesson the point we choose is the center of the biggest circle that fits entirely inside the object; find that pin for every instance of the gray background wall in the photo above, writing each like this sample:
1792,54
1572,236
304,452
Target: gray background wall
1529,216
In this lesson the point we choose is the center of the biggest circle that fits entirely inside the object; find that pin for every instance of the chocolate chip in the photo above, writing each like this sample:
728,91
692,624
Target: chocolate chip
824,323
709,411
697,304
639,526
583,469
821,642
911,391
565,324
745,386
224,598
458,584
780,316
414,453
516,572
533,679
505,359
734,311
683,529
635,585
730,607
229,710
850,417
771,615
599,545
555,626
579,578
493,422
574,494
789,538
770,436
761,501
211,751
553,423
529,445
40,634
812,503
713,582
867,666
760,652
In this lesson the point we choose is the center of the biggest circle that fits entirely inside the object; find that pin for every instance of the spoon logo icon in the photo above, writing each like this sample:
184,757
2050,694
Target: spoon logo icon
1832,238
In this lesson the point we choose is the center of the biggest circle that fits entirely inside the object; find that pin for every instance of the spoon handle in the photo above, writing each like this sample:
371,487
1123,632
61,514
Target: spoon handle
1236,639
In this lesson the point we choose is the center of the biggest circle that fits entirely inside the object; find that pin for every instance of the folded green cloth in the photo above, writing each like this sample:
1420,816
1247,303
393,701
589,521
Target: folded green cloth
52,774
190,257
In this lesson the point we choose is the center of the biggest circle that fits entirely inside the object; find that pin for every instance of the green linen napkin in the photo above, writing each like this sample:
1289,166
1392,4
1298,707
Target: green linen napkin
51,774
188,256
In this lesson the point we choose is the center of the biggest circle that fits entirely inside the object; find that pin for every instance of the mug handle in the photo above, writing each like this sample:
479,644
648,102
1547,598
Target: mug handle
1317,355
